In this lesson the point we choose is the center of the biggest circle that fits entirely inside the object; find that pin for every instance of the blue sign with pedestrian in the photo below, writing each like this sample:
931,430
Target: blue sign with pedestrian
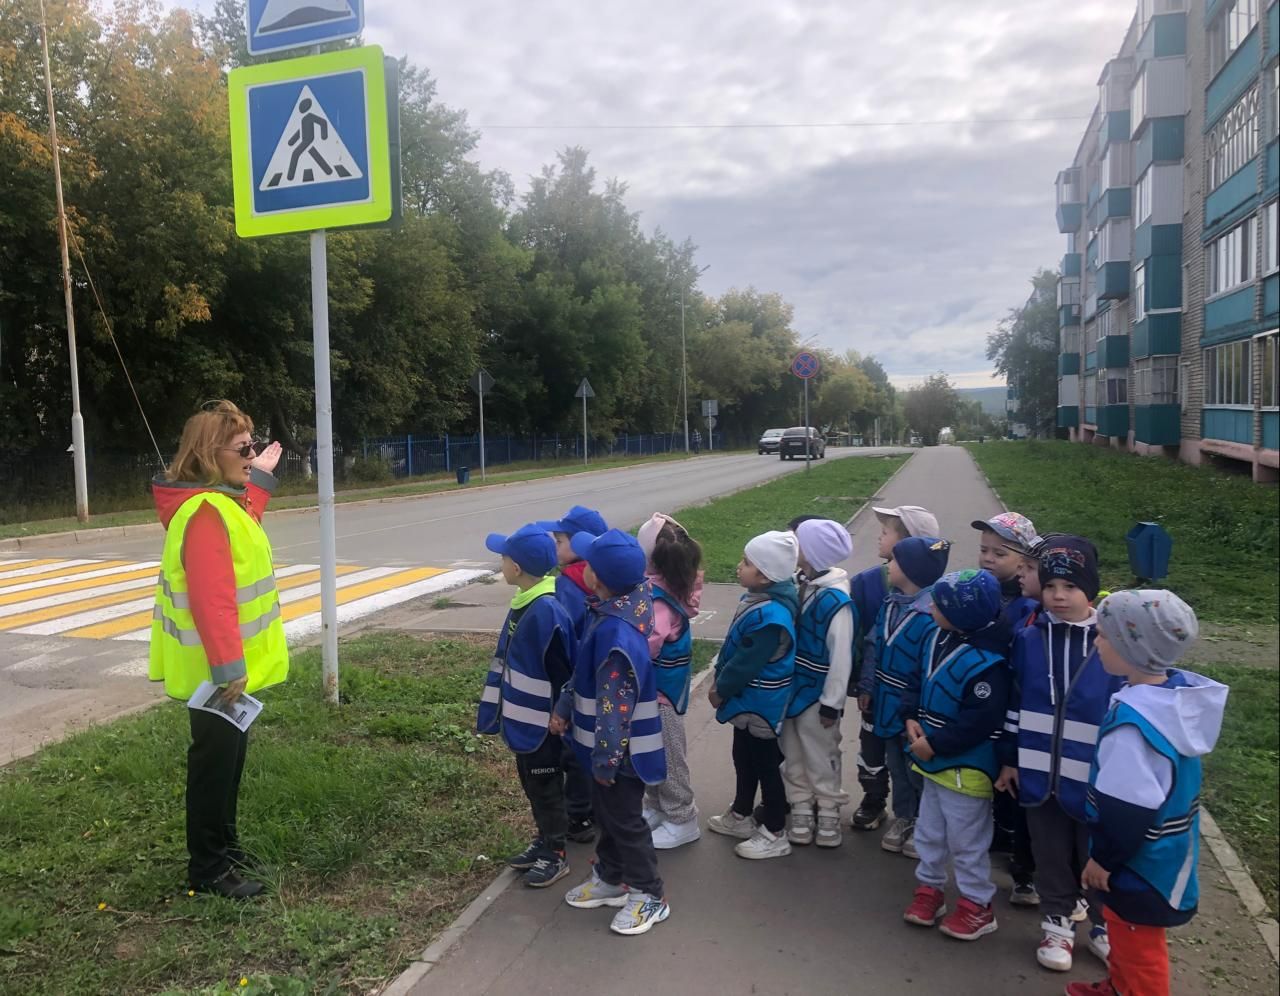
276,25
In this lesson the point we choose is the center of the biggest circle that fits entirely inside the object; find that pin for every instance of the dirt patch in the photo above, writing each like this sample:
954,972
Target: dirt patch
1239,643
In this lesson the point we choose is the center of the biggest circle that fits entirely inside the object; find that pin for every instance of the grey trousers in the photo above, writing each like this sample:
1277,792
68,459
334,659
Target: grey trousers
955,826
1060,846
674,797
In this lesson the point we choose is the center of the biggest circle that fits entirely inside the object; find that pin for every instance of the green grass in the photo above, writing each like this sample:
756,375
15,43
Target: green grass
1226,534
1240,785
836,489
703,652
381,820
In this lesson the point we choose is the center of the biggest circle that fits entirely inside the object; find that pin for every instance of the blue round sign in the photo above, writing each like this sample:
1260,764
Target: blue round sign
806,365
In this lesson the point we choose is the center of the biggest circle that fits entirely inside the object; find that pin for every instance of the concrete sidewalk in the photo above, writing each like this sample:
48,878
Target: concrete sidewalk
820,921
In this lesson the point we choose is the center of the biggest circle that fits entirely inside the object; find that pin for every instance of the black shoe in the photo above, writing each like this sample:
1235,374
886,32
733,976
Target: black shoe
867,817
548,869
582,831
230,885
245,862
527,858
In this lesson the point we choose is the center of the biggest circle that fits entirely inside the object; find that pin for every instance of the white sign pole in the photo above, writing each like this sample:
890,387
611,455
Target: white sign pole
482,436
324,467
808,443
584,428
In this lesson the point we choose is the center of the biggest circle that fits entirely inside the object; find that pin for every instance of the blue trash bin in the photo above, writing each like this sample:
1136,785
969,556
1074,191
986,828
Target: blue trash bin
1149,550
464,475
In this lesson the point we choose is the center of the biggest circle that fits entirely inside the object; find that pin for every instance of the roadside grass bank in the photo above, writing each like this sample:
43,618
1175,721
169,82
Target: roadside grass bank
1225,529
379,821
836,489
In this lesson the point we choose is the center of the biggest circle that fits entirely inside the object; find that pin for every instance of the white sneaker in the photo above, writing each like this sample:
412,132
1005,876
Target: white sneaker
1100,943
596,892
1081,913
897,834
909,845
640,914
800,826
668,835
829,834
652,817
731,824
763,844
1057,944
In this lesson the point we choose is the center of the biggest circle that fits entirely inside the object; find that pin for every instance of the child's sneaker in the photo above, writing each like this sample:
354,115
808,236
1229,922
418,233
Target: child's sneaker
800,826
969,921
652,817
668,835
1025,894
1103,988
763,844
927,905
1081,913
527,858
596,892
866,817
1100,943
1057,944
897,834
909,846
582,831
548,869
829,834
640,914
731,824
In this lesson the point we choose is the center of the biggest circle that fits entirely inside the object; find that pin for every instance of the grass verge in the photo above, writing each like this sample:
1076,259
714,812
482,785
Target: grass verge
381,821
836,489
1240,786
1226,537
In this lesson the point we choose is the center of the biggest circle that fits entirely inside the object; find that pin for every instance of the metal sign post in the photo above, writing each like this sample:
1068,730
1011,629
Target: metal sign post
481,382
806,366
710,409
584,391
324,460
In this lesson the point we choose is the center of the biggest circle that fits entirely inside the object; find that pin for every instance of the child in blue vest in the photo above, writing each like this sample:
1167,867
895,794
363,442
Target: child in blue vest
889,667
952,733
1061,693
1144,786
869,589
572,592
811,738
674,575
751,690
613,709
533,662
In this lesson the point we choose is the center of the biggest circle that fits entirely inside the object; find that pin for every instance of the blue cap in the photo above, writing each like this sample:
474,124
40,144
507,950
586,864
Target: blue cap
615,558
969,599
529,546
578,520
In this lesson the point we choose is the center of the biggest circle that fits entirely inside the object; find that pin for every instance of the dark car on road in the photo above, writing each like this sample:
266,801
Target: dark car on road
768,443
796,440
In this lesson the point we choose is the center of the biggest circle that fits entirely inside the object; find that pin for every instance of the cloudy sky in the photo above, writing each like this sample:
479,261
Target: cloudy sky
907,236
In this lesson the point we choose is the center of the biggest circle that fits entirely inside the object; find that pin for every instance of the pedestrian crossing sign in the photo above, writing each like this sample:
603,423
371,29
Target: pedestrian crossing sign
310,144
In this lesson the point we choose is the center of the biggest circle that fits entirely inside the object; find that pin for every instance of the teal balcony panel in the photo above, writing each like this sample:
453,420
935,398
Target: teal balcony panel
1113,351
1068,315
1156,240
1068,363
1094,193
1271,181
1068,417
1229,316
1117,202
1241,70
1273,32
1271,428
1114,127
1170,34
1270,299
1113,281
1235,425
1162,140
1070,217
1071,264
1113,420
1211,10
1156,335
1164,282
1091,254
1091,360
1157,425
1091,415
1234,197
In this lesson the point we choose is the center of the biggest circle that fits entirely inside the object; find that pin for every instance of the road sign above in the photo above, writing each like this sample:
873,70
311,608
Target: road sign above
584,390
276,25
481,382
309,143
710,409
806,365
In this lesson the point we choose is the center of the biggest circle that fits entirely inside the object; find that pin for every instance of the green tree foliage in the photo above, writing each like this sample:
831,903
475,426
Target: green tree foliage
931,406
1025,349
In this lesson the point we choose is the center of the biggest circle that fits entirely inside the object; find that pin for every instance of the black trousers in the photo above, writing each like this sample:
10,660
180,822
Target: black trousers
215,762
758,764
624,850
542,778
577,784
873,774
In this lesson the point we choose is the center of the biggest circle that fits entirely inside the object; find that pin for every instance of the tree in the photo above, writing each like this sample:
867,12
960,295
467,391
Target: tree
931,406
1024,347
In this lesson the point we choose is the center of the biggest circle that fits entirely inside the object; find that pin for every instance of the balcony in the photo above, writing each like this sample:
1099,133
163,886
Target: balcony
1113,351
1068,364
1070,200
1113,281
1070,265
1156,335
1068,416
1113,420
1068,301
1157,425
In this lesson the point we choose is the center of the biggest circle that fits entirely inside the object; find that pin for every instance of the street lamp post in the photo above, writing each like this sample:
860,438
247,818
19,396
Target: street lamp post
684,363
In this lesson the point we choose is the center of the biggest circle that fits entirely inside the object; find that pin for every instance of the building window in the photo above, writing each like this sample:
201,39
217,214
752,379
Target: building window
1232,258
1229,30
1269,357
1138,103
1139,292
1091,337
1091,390
1155,381
1273,81
1227,375
1270,234
1117,387
1233,141
1142,197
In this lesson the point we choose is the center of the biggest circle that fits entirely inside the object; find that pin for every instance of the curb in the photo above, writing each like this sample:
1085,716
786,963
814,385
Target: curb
1246,889
888,480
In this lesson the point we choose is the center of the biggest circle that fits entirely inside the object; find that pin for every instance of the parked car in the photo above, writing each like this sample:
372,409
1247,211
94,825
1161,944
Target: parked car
797,440
769,441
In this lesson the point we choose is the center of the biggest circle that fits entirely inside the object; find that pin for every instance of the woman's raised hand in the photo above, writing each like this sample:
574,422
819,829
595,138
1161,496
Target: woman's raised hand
268,458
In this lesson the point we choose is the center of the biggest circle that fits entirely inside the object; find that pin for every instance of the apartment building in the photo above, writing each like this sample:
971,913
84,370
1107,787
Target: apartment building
1169,292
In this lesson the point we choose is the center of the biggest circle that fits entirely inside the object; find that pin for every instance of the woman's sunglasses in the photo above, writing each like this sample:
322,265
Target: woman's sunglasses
245,451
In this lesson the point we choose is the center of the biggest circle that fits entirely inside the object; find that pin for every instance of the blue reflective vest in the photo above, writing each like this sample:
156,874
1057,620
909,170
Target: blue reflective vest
902,644
769,693
813,659
606,635
1058,715
674,662
1170,852
518,698
941,696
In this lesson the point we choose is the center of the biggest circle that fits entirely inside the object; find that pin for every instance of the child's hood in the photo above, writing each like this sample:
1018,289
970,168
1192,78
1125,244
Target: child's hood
576,572
836,577
1187,709
786,593
691,604
635,608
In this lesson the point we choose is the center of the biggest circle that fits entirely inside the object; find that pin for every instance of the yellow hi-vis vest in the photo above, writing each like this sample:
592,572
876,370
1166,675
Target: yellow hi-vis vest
177,655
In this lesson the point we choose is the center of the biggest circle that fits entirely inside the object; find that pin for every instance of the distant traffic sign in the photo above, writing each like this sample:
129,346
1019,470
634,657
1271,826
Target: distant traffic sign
481,382
584,390
806,365
710,409
309,143
276,25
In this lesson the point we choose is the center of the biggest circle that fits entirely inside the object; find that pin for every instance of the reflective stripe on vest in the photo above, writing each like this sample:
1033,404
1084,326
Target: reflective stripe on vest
769,693
942,695
901,645
813,658
177,655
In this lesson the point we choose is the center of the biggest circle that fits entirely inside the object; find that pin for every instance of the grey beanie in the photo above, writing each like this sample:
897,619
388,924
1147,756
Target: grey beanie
1151,628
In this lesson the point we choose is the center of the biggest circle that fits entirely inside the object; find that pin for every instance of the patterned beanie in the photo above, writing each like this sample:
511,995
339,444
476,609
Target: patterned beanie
1151,628
970,600
1070,558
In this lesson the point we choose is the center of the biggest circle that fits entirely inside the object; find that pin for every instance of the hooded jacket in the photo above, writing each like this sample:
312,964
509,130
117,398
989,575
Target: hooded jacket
572,594
824,630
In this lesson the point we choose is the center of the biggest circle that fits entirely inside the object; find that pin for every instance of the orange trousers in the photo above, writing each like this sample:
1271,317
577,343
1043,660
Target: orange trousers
1139,963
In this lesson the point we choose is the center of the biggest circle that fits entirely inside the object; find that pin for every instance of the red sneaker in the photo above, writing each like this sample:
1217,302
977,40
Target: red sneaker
927,905
969,921
1103,988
